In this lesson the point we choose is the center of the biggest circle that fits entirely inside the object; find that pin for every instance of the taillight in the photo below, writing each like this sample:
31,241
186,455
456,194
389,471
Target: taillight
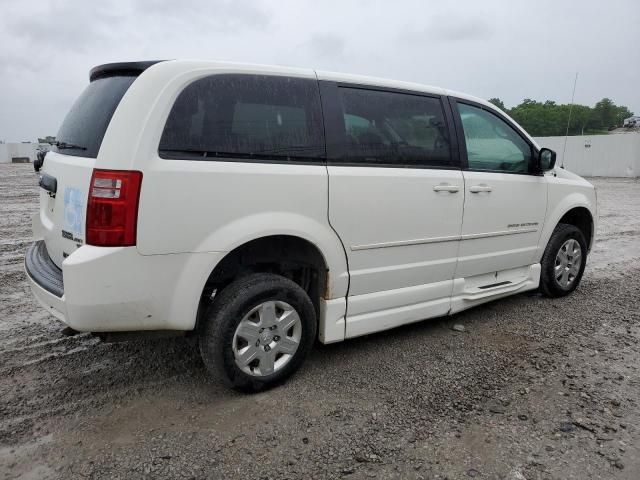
112,209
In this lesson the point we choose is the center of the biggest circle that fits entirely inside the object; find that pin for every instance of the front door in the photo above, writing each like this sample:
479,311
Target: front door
505,198
395,200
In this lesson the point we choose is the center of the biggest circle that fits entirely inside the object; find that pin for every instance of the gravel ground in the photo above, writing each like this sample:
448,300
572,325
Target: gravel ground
531,389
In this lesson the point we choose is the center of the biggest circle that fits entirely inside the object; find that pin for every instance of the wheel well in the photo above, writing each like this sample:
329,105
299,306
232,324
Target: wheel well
581,218
292,257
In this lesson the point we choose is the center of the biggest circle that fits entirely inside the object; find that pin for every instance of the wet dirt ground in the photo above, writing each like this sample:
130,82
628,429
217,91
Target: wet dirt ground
532,389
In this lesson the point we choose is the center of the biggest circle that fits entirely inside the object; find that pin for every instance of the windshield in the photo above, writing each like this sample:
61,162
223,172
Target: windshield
84,126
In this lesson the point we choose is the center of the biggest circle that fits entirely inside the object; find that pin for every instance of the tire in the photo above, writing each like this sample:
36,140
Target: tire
561,275
265,304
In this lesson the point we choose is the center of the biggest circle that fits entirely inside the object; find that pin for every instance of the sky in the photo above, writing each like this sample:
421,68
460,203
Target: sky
511,49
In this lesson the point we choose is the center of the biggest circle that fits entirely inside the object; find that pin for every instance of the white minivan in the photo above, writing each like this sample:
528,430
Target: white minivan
261,208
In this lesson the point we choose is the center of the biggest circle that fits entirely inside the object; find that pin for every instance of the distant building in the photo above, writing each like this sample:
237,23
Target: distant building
20,152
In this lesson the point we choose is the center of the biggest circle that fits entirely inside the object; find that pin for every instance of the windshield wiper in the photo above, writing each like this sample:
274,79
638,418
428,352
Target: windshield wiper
65,145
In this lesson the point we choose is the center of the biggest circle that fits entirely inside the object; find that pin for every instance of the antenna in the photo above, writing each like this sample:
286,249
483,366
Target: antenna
566,135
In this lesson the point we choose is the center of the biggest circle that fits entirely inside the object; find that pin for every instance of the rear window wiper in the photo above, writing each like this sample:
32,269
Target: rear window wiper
64,145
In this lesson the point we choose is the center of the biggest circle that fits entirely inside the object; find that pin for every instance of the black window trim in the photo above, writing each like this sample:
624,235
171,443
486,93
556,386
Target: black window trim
462,144
334,123
186,156
196,156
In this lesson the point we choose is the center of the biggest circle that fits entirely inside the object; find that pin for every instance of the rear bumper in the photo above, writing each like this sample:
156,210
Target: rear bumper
41,269
45,279
116,289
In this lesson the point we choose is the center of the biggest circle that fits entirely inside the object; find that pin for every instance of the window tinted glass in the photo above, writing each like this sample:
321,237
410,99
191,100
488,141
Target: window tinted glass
390,128
245,116
491,143
87,121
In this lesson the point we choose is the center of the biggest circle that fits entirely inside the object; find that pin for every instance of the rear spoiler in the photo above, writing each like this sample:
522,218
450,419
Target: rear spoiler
127,69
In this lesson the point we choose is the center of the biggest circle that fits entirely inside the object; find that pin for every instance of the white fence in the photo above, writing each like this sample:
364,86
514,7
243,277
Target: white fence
614,155
9,151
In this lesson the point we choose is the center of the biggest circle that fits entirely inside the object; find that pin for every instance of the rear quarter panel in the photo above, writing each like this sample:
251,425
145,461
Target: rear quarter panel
216,206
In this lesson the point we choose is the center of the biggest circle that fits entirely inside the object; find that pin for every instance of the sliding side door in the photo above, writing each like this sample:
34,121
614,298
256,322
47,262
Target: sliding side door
395,199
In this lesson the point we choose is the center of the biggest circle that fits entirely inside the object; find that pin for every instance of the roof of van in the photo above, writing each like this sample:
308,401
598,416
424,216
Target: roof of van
166,69
138,67
165,79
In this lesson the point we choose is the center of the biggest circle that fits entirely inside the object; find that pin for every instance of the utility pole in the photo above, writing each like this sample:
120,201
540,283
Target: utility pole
566,136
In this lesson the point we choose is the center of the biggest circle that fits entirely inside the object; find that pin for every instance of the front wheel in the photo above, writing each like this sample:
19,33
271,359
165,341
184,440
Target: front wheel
257,331
563,261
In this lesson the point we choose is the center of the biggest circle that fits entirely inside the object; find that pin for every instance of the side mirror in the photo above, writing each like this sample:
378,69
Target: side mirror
546,159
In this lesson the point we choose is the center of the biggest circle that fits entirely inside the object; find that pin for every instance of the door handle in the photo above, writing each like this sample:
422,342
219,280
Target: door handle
446,187
480,188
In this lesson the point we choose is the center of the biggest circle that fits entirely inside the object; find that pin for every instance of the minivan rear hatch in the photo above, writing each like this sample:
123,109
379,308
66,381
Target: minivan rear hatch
67,169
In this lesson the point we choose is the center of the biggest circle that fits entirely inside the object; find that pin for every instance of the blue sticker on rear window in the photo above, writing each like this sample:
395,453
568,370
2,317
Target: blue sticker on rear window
74,208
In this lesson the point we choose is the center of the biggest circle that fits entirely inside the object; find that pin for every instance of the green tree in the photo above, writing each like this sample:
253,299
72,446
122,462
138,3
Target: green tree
580,116
622,113
604,113
550,118
498,103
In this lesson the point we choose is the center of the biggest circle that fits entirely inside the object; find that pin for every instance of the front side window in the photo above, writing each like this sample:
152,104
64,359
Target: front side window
393,129
245,116
491,143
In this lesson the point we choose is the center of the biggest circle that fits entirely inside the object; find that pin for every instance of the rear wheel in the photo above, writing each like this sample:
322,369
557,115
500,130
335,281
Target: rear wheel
257,331
563,261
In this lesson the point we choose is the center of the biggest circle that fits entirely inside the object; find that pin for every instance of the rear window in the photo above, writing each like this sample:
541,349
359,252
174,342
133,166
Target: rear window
247,117
84,126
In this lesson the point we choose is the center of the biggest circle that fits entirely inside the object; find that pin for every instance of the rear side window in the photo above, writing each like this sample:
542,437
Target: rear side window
393,129
247,117
84,126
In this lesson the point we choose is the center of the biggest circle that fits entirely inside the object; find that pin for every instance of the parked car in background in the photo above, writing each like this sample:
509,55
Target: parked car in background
261,208
632,122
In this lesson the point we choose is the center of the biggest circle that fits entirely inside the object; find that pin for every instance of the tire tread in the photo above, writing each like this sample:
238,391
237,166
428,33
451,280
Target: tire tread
219,326
548,285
